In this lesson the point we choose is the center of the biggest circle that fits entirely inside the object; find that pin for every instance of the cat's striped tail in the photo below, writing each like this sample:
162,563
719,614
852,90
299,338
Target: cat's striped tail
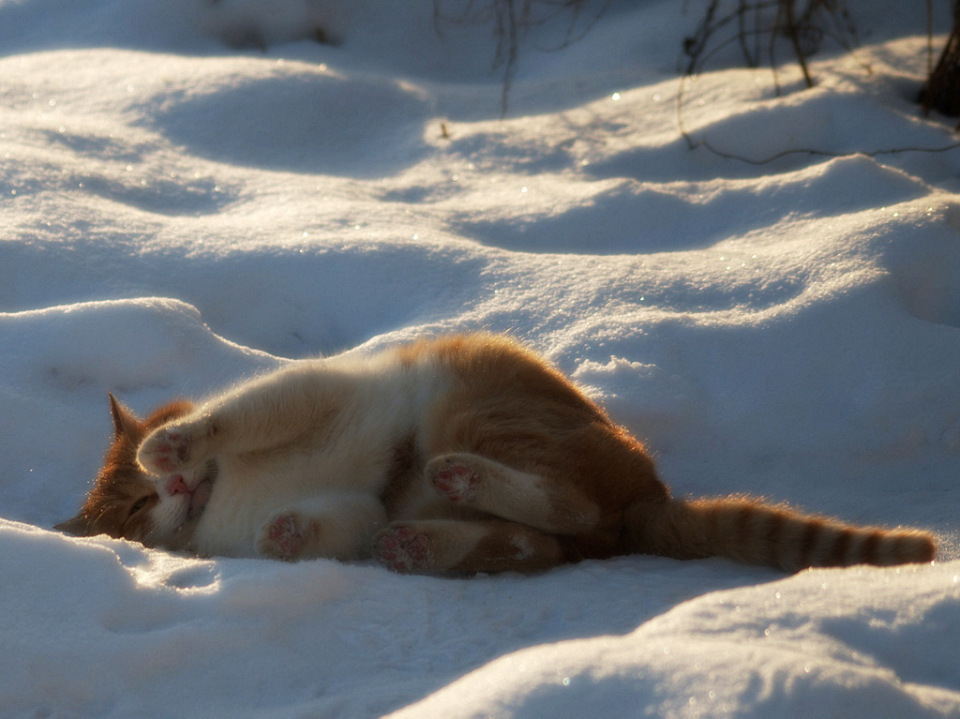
754,532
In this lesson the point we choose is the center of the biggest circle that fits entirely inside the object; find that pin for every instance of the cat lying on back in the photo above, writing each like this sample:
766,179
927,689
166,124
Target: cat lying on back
464,454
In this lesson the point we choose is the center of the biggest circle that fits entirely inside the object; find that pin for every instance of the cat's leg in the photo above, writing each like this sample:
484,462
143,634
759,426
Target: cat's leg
177,446
334,526
440,545
550,504
261,414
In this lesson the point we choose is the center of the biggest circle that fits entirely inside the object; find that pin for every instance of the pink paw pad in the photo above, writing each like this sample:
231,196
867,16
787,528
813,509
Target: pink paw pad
170,452
284,537
403,549
456,481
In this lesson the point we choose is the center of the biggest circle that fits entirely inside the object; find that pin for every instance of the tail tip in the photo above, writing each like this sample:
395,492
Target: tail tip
914,547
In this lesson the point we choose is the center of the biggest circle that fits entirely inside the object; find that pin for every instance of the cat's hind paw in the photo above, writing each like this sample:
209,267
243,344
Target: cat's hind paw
285,536
455,476
403,549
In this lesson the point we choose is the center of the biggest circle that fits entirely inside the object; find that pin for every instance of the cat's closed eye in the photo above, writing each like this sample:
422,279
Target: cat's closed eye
137,521
138,505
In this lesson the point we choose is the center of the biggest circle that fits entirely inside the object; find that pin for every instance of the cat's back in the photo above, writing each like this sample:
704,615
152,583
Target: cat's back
487,369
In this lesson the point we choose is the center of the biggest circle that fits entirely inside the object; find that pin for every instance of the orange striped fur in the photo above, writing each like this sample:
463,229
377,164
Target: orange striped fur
462,454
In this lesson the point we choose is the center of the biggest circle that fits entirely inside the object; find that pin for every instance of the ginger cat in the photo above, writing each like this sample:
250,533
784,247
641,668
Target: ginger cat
462,454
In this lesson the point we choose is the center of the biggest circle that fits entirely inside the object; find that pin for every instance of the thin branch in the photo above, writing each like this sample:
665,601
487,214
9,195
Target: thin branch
511,20
693,144
804,23
794,36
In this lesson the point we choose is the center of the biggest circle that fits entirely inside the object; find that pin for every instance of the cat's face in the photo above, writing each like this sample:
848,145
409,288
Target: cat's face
126,502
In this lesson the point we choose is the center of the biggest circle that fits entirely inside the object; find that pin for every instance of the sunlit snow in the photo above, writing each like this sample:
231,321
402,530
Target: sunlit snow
193,192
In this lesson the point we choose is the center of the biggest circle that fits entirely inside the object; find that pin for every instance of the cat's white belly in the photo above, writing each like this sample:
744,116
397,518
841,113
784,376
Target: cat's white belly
314,445
251,490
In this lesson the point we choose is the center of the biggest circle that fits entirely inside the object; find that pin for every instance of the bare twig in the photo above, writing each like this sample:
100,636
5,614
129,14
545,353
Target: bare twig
794,35
942,88
512,19
805,24
693,144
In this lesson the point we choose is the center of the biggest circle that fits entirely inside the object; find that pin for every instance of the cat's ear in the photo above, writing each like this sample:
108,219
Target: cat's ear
125,422
79,526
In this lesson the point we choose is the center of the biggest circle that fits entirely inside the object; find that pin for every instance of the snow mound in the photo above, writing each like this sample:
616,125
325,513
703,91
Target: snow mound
769,650
194,192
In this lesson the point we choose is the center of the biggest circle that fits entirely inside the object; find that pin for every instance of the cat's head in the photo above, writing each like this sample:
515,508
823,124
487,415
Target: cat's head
123,498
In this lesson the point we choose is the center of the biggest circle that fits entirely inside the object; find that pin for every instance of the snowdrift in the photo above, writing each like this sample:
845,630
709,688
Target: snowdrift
194,193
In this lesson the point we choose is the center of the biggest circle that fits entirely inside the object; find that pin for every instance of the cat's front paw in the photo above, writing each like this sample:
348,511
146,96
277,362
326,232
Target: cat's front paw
285,536
173,448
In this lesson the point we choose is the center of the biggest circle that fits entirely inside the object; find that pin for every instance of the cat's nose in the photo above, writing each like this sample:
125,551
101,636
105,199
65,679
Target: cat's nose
176,485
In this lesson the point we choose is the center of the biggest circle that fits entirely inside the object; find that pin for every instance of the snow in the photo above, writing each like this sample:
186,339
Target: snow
194,192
